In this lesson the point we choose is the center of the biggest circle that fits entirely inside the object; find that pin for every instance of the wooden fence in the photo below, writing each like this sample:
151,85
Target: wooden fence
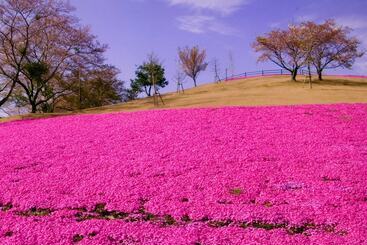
263,73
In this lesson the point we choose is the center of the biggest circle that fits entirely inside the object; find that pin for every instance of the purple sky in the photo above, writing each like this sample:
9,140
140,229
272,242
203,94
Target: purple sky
134,28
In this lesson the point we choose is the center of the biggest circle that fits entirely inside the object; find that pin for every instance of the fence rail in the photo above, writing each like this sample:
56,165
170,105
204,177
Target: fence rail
280,72
260,73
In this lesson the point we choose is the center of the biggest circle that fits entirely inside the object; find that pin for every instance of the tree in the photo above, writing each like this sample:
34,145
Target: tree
6,90
283,48
192,61
150,75
95,88
216,70
133,92
180,78
332,46
41,44
231,63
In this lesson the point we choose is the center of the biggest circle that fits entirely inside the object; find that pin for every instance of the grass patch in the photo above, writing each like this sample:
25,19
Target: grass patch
34,211
6,207
77,238
236,191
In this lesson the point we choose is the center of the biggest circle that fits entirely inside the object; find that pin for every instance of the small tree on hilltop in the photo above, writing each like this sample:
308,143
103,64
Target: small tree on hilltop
332,47
192,61
216,70
283,48
151,73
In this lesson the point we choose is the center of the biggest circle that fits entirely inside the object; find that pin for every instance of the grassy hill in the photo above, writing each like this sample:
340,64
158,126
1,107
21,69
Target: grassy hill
277,90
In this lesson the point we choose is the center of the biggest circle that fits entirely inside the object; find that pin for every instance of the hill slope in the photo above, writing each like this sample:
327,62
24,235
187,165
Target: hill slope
277,90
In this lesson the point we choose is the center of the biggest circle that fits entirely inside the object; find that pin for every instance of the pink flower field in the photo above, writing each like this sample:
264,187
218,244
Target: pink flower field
252,175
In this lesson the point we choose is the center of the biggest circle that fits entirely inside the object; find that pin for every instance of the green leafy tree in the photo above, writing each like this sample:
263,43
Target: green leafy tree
95,88
149,73
133,92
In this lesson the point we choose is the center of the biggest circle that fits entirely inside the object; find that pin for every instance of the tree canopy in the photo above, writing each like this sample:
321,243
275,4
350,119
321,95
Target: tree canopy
150,73
325,46
42,45
192,61
331,45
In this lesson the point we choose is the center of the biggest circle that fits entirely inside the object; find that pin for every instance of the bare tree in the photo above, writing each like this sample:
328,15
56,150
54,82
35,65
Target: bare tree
283,48
41,43
308,45
179,77
231,63
324,46
331,46
192,61
6,90
13,47
216,70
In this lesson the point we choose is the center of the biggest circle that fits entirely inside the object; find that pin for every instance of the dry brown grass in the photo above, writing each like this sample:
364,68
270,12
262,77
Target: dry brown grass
247,92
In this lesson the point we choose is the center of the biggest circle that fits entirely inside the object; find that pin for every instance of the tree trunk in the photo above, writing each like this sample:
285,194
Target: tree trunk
309,75
294,74
320,75
195,81
147,90
34,107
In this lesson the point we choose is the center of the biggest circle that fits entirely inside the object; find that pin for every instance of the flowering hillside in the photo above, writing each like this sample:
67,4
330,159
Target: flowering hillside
269,175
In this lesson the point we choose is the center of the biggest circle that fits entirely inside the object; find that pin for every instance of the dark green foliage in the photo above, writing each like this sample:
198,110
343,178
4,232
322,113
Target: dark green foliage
36,71
95,88
145,74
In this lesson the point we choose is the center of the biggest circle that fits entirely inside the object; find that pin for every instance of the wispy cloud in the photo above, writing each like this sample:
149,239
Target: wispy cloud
220,6
208,15
194,24
203,24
